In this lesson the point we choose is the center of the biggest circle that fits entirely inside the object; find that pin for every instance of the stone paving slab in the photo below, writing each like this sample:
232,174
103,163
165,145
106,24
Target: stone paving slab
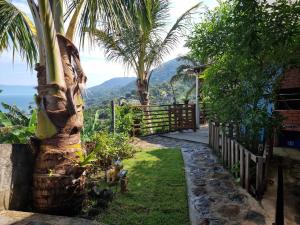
200,136
214,197
8,217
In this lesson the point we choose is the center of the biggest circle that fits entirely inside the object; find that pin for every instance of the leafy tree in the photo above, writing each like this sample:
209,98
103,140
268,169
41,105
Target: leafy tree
142,44
60,82
249,45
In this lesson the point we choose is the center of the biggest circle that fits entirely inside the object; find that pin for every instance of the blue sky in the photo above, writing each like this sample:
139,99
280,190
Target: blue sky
97,68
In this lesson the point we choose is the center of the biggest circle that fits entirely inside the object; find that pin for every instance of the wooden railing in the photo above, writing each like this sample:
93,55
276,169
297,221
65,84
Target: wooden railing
157,119
249,168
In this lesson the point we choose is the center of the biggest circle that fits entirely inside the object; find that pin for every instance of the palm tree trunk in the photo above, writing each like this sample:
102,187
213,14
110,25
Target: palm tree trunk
142,86
58,178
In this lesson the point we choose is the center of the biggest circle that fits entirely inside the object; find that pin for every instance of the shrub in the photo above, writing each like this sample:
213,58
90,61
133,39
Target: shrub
110,147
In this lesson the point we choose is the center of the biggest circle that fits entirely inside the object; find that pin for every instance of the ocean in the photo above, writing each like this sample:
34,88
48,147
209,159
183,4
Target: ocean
20,96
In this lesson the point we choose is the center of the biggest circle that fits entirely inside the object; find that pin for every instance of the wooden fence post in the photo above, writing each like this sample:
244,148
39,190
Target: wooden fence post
242,167
247,171
223,147
113,117
169,117
236,158
259,176
194,117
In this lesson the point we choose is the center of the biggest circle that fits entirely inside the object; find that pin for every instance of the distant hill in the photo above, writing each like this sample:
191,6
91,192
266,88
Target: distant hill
110,85
119,87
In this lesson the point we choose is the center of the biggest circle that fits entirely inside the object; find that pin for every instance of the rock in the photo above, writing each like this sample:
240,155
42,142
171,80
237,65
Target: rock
229,211
202,205
199,191
238,198
255,217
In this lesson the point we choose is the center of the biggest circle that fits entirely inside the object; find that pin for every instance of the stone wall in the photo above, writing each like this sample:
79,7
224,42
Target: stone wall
16,168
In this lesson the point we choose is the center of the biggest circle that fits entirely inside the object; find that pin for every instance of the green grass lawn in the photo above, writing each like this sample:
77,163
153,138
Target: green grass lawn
157,191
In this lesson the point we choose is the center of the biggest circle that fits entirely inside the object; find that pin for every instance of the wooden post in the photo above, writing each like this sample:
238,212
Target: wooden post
279,217
232,153
209,133
229,152
242,167
194,118
259,176
223,147
169,117
113,117
247,170
186,119
236,158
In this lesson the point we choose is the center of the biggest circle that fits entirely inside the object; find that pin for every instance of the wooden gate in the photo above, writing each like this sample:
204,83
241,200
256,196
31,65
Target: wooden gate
158,119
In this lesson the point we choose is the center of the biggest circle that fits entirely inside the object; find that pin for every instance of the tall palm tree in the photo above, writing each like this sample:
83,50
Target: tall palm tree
143,43
58,180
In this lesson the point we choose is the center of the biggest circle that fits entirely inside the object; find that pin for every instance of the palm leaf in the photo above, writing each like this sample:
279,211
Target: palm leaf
17,30
172,37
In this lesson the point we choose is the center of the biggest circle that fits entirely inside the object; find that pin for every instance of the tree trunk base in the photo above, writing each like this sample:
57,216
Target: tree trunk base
58,182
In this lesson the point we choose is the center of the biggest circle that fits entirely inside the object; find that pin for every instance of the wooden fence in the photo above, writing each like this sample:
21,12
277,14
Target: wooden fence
156,119
249,168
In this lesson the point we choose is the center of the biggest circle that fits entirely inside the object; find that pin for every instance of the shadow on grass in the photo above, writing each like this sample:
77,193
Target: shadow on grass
157,191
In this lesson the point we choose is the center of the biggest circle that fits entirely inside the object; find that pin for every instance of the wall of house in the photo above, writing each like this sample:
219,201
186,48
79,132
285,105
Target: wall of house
291,79
288,105
16,168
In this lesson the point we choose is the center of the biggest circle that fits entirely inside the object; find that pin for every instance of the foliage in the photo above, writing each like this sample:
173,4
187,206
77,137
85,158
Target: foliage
15,126
125,116
142,45
249,44
110,147
156,186
95,119
19,31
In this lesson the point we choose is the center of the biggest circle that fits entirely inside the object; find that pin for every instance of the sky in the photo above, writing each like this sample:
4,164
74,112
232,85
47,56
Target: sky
93,61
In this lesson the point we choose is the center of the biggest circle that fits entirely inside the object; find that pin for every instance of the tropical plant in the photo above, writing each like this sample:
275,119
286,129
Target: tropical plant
60,83
187,73
15,126
142,44
249,45
110,147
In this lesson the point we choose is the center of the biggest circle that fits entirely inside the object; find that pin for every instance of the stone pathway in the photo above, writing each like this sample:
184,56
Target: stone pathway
214,197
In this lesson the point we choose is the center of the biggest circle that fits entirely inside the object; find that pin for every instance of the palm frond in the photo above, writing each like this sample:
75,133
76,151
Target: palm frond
115,49
173,36
95,13
17,30
189,92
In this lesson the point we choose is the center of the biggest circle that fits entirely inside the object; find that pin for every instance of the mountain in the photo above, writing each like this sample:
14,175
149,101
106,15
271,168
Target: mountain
126,86
109,85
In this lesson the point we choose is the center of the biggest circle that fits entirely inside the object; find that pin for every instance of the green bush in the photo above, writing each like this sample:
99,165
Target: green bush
110,147
125,118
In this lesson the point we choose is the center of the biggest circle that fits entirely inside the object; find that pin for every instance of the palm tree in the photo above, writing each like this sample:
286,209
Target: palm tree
142,44
58,179
187,72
